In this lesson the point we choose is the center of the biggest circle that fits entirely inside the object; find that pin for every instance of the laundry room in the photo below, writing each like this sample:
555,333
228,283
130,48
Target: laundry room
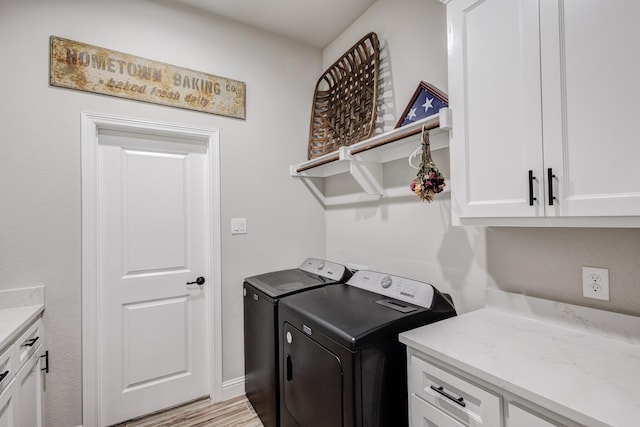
501,248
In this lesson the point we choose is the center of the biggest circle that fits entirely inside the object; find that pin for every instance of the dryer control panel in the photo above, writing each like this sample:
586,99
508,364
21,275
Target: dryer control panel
400,288
324,268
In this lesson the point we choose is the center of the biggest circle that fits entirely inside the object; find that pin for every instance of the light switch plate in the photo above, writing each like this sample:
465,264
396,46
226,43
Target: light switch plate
238,225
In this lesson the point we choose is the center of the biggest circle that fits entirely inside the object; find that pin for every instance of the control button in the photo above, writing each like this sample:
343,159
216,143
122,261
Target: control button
289,337
386,282
320,265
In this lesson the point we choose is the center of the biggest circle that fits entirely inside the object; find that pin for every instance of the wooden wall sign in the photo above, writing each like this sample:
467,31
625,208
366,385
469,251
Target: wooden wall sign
94,69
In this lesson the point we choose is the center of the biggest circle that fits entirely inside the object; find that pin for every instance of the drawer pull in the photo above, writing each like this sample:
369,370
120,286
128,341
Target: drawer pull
31,342
459,400
3,375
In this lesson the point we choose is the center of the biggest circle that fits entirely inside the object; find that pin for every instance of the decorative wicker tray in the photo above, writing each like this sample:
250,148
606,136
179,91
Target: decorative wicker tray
344,107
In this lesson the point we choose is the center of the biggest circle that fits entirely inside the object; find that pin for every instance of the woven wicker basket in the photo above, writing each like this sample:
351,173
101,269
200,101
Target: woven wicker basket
344,107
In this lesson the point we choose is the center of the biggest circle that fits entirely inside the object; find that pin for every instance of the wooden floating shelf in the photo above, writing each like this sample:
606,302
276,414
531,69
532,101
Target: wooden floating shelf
364,160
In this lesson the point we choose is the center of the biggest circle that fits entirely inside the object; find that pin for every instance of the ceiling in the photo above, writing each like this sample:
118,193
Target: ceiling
314,22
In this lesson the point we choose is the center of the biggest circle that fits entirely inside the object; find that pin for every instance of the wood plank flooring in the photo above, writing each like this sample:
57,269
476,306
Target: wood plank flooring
236,412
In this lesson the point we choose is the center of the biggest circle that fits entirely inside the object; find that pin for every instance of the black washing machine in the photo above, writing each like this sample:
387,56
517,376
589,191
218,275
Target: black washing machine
261,296
341,361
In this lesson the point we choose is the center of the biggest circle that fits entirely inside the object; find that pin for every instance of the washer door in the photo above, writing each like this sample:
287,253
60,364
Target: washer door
312,381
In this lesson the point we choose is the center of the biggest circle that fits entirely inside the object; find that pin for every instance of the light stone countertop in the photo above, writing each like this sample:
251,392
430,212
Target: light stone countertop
18,308
580,363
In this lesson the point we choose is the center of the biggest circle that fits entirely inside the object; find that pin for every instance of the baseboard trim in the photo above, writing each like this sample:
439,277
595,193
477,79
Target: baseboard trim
233,388
230,389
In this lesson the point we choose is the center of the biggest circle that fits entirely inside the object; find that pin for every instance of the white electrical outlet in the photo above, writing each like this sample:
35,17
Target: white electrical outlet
595,283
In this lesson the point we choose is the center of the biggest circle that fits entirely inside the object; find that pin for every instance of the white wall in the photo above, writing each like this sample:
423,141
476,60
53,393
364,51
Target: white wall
402,235
40,157
415,239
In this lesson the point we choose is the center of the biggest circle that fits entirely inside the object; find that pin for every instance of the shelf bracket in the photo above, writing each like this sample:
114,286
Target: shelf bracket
368,175
311,186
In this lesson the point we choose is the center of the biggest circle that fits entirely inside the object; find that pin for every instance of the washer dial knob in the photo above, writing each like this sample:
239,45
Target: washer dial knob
386,282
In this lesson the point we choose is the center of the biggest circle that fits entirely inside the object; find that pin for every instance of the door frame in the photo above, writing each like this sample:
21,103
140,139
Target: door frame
91,124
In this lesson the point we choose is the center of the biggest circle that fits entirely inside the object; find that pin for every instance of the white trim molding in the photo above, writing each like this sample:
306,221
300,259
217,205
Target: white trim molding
91,124
233,388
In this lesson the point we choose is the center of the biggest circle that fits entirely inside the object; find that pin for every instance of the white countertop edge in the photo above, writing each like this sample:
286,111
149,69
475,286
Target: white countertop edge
14,320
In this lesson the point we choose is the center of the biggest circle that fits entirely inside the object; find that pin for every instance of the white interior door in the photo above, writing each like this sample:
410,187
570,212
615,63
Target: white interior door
153,238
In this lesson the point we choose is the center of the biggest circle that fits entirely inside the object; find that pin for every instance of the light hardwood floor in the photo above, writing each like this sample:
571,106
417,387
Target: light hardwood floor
236,412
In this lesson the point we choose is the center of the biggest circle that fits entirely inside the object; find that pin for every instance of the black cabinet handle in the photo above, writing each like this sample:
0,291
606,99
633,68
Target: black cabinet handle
31,342
46,362
531,178
199,281
3,375
289,368
550,177
457,400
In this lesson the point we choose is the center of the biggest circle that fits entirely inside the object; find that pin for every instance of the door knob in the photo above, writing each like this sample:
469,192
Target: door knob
199,281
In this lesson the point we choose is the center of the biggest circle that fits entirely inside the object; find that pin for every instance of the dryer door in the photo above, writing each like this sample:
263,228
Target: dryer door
312,381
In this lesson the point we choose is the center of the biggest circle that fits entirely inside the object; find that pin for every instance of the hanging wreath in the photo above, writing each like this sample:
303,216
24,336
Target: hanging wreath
428,181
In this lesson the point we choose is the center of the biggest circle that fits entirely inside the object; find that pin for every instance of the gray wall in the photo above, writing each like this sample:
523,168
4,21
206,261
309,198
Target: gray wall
40,240
547,263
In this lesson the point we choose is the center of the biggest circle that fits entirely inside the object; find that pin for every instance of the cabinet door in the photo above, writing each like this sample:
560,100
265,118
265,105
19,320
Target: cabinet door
590,69
8,406
29,395
494,84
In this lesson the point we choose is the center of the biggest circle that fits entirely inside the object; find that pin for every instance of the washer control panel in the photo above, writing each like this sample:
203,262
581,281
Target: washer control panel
324,268
400,288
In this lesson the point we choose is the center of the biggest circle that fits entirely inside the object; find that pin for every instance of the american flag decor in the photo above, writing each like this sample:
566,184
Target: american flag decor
426,101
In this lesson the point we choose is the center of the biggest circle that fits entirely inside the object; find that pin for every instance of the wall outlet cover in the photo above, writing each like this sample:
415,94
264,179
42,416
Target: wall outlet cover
595,283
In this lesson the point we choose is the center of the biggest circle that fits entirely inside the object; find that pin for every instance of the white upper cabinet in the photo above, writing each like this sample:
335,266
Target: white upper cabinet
590,93
494,87
544,99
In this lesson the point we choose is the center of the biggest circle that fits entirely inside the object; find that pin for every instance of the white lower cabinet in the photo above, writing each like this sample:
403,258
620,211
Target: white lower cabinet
424,414
467,403
21,384
29,395
8,407
446,397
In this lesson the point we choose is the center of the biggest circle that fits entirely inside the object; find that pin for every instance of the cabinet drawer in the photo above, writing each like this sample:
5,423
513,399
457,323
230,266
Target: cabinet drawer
425,414
462,400
7,370
27,344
